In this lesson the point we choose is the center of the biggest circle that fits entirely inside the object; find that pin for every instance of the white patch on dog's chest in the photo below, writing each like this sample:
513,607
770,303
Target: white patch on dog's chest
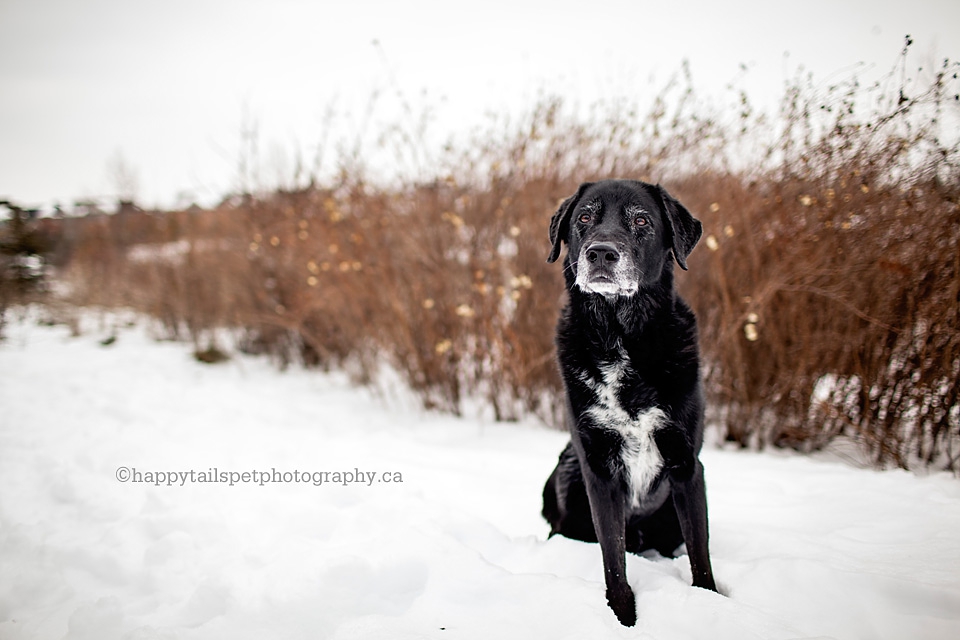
641,458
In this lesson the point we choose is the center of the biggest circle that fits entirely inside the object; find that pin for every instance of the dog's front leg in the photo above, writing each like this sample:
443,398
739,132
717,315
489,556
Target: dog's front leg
609,521
690,500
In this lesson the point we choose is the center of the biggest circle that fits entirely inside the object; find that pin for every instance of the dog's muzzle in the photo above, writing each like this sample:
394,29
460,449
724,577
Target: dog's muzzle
602,268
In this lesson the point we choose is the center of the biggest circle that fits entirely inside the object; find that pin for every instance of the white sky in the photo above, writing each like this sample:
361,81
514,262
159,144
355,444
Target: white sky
166,85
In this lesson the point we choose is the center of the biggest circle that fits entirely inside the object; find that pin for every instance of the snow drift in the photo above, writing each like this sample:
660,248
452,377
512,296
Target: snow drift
452,547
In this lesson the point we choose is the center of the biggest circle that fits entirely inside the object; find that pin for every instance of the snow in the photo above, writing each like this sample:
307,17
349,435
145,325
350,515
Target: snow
802,548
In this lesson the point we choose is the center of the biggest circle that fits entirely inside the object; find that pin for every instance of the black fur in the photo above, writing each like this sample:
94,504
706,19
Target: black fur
627,349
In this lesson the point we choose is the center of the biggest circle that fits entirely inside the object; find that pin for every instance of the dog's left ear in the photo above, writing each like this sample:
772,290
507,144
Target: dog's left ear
560,222
685,230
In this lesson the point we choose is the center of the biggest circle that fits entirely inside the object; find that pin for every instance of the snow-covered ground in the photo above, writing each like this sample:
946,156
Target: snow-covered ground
452,547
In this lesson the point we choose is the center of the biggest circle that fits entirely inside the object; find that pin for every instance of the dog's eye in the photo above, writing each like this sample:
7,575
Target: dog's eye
640,221
585,218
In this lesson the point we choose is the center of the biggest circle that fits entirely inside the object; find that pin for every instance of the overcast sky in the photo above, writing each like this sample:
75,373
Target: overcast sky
160,90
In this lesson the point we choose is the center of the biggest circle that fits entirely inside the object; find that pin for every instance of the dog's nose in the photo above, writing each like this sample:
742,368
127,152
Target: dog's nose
605,254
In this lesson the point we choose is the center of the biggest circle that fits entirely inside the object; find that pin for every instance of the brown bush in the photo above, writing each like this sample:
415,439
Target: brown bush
827,284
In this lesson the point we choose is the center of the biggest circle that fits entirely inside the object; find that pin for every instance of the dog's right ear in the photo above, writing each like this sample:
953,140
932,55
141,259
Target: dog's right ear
685,230
560,222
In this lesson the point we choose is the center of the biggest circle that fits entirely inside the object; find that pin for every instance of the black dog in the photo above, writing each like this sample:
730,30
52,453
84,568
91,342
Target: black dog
627,347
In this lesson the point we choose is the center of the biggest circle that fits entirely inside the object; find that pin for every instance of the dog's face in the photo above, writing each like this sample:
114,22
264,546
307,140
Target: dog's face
621,234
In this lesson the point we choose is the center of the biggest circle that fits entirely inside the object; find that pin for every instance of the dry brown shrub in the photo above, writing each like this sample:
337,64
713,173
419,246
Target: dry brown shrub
827,284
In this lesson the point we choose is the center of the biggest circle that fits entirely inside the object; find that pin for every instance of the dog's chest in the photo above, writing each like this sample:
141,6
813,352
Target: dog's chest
639,454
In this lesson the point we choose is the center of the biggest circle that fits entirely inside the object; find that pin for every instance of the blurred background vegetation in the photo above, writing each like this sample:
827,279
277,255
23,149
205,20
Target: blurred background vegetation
827,283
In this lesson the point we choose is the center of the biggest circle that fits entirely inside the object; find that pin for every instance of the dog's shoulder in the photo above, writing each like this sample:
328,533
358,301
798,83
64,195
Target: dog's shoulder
676,336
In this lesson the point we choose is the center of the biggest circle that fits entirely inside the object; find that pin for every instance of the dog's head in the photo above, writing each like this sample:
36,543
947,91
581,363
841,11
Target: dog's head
621,234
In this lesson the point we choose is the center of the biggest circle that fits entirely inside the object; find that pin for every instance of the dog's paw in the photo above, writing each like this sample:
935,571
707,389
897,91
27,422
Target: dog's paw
706,581
624,605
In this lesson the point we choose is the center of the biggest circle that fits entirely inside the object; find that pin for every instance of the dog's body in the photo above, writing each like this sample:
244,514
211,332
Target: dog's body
630,477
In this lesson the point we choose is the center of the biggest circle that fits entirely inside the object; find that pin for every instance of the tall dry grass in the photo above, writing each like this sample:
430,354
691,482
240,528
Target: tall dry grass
827,284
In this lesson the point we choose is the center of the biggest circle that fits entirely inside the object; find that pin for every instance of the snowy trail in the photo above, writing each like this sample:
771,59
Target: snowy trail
802,548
